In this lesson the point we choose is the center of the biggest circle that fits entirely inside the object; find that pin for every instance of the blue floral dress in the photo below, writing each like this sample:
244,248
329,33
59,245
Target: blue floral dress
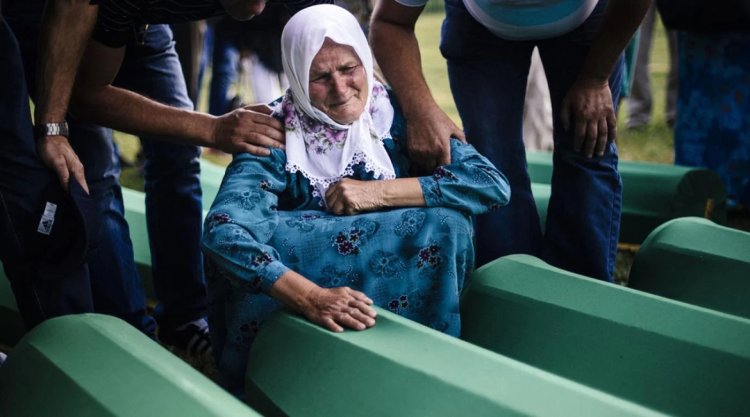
713,109
412,261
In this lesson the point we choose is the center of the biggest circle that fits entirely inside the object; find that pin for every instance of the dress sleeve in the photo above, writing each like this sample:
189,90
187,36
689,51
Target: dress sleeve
470,183
242,220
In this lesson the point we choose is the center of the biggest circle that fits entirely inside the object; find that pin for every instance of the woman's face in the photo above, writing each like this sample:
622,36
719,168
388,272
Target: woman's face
338,84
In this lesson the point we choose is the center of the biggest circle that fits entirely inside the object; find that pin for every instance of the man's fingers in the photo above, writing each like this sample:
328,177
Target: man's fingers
78,174
255,150
612,126
592,135
579,135
259,108
565,115
601,143
264,119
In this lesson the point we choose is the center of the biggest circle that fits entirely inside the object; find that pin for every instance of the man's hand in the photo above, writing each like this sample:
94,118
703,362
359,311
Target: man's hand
60,157
428,138
336,308
249,129
589,106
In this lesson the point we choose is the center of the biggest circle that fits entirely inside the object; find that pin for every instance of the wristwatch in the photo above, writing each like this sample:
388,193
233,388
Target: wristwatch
51,129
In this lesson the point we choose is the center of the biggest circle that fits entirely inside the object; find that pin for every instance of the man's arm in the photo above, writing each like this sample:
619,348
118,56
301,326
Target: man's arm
397,52
97,100
588,106
66,28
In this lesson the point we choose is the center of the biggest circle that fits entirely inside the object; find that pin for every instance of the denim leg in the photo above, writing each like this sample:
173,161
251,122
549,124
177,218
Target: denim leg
583,217
173,193
488,76
226,57
115,285
488,81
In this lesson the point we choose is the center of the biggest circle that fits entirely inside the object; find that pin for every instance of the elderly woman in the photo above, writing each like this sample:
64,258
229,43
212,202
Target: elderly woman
335,224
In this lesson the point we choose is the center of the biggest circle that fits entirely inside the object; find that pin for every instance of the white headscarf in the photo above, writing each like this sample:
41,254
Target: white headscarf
323,150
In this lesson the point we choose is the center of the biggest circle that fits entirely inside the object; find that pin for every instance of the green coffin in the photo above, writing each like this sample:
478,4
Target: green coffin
99,366
653,193
669,356
211,177
400,368
135,215
11,325
696,261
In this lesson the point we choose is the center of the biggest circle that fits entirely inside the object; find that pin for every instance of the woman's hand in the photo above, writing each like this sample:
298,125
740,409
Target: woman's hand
333,308
350,196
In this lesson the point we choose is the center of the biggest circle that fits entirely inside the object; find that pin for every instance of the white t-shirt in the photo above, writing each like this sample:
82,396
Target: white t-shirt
525,19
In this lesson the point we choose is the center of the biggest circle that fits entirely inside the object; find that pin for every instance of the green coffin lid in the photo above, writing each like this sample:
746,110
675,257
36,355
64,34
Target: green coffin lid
400,368
670,356
99,366
696,261
11,325
211,177
653,193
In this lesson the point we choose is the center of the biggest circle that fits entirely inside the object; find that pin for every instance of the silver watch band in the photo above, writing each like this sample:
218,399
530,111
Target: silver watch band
51,129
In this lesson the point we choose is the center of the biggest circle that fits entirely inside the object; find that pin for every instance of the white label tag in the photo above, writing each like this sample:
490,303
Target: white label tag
48,219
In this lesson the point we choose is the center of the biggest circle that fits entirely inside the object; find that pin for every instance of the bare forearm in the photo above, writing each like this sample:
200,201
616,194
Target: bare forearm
621,20
292,290
402,192
396,50
130,112
66,28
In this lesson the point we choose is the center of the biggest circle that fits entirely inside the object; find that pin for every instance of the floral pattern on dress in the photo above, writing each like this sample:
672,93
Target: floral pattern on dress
429,257
387,264
261,259
332,277
349,241
411,223
305,222
247,199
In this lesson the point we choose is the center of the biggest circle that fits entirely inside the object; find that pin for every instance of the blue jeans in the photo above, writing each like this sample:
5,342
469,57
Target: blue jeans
173,200
172,172
224,68
488,81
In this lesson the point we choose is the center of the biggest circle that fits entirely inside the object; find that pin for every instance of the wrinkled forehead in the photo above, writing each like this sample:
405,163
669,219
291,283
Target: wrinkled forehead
333,52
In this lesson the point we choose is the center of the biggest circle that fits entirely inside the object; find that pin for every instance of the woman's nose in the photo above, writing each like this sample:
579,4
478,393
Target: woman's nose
339,84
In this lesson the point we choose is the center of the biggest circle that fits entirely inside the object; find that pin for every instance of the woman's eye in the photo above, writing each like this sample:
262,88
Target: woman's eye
321,78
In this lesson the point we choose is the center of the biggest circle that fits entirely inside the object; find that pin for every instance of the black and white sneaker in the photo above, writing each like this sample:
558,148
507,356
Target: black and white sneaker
191,337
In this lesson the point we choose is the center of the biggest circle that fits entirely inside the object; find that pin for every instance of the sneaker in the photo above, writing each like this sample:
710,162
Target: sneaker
191,337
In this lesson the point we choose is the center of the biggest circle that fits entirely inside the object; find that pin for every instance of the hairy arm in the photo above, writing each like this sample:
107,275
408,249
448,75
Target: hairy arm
397,51
66,28
588,107
97,100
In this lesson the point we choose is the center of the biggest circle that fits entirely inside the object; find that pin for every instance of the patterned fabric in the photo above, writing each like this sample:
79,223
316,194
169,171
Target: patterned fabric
412,261
713,127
